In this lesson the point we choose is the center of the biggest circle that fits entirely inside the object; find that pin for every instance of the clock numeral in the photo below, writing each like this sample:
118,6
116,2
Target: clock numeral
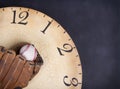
49,22
22,15
73,82
66,48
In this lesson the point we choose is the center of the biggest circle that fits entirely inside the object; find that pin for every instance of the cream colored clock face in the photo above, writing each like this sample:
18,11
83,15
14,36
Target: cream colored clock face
62,66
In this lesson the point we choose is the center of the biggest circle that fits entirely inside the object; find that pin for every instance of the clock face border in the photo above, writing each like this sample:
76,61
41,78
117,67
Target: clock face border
62,67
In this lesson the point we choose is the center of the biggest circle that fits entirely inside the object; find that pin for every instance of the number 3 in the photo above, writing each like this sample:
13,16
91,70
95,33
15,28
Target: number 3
73,82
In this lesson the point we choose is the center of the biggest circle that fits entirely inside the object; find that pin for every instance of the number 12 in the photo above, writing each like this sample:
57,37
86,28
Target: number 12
22,15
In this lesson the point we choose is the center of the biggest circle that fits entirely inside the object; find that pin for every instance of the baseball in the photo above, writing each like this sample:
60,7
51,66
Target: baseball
29,52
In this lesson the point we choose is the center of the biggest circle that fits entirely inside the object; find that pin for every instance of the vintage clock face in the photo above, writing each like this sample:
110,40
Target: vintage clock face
62,67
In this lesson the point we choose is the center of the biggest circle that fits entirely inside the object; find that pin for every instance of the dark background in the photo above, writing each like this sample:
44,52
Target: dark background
94,26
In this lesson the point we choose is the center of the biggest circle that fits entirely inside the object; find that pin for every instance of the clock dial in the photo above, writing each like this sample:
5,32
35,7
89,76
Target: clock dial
62,67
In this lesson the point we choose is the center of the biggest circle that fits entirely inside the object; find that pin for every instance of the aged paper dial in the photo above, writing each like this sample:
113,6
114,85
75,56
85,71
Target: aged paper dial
62,66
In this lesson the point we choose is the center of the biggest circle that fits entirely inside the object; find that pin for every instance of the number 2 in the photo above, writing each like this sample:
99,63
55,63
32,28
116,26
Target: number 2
66,48
23,16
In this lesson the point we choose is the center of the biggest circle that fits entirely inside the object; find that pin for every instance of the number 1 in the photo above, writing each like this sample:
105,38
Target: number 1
46,27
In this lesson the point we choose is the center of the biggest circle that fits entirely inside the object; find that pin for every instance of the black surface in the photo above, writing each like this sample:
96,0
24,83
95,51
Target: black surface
94,26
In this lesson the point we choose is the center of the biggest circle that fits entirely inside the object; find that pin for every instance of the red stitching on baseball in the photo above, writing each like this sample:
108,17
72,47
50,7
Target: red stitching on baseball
25,49
35,53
